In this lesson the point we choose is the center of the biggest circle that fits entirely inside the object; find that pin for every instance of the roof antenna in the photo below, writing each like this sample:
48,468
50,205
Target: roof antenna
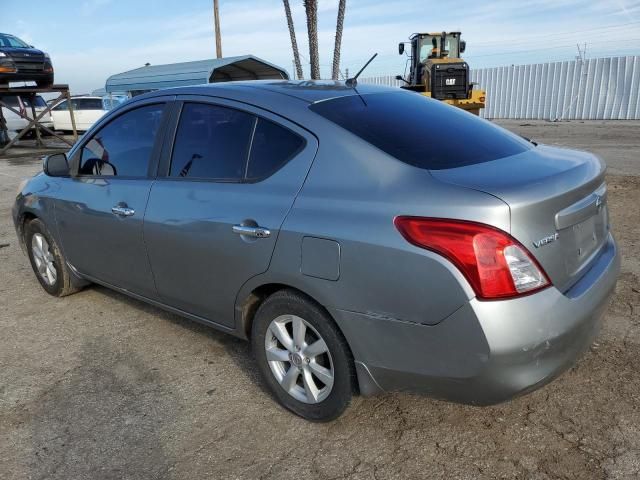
353,81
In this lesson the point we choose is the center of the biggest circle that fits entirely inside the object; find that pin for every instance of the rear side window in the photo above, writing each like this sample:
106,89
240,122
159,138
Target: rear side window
423,133
212,142
87,104
123,147
272,147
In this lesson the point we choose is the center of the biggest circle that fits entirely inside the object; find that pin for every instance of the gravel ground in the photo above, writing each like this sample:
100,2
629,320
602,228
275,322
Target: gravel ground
100,386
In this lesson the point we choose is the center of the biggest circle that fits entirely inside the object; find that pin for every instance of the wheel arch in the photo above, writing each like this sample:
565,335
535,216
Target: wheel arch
23,220
250,299
250,302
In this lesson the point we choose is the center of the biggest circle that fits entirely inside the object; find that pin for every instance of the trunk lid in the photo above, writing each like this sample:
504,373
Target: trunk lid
557,200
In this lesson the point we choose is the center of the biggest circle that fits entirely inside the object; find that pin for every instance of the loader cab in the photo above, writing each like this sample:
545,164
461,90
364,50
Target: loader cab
436,66
430,45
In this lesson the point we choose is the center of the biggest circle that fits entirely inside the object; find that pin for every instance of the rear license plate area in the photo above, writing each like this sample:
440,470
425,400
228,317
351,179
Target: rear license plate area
586,238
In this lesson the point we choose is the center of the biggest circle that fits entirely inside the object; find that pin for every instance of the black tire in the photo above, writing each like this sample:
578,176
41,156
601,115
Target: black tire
288,302
44,83
63,284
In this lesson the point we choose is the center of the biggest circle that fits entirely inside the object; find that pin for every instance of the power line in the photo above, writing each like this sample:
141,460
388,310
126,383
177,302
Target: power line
518,52
558,34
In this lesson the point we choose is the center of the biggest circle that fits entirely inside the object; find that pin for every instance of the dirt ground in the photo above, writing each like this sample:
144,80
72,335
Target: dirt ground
100,386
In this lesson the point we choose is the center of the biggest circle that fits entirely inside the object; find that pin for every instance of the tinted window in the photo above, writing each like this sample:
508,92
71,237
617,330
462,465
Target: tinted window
211,142
61,106
38,103
11,41
11,101
421,132
87,103
272,147
123,147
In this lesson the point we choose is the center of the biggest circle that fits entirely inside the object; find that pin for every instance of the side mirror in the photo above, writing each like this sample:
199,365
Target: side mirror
56,165
463,46
401,48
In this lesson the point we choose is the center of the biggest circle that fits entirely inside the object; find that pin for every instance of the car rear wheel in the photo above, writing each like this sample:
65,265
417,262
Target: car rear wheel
302,356
47,260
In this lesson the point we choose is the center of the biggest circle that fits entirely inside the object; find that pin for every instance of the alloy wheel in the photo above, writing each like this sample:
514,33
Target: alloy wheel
299,359
43,259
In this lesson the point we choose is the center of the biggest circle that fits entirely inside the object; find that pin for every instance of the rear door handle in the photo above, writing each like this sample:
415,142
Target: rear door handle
256,232
122,211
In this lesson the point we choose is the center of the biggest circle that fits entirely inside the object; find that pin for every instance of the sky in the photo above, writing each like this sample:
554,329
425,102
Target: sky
89,40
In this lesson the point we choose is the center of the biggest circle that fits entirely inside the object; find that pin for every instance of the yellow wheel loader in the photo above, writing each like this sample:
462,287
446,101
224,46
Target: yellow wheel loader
437,71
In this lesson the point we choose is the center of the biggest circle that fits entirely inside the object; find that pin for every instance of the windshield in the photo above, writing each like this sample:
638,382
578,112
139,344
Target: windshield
112,101
422,132
11,41
38,103
451,45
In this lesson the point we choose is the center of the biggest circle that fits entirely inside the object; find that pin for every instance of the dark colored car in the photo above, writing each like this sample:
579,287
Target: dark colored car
21,62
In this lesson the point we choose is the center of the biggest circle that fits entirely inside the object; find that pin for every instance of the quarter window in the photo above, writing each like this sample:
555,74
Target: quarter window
123,147
212,142
272,147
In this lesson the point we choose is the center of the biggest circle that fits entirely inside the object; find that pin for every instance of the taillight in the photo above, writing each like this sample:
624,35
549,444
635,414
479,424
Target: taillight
495,264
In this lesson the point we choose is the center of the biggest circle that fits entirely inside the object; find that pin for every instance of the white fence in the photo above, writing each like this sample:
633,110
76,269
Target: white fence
599,88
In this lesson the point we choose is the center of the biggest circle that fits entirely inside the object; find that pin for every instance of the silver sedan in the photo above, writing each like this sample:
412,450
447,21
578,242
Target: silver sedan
363,239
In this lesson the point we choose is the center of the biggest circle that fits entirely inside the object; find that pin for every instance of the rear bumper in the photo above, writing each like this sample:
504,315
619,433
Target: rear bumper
485,352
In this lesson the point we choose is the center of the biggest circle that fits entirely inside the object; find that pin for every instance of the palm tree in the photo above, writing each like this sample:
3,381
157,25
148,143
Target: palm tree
336,51
294,43
311,8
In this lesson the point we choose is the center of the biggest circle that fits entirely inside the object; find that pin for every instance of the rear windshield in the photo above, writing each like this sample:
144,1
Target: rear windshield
421,132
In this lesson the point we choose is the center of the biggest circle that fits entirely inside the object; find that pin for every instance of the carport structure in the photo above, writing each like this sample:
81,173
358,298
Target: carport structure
155,77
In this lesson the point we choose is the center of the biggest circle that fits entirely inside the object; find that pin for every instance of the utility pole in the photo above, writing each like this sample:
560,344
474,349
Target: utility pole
581,60
216,21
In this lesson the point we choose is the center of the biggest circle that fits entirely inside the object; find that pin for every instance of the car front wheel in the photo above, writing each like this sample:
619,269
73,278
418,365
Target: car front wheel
47,260
303,357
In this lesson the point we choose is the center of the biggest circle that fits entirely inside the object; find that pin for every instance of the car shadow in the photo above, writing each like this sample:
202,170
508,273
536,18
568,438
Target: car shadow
237,349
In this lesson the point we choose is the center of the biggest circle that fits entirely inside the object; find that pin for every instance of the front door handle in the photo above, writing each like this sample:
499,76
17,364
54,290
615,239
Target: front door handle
255,232
122,211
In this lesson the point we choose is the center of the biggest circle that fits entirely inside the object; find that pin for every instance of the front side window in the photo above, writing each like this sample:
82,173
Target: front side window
123,147
61,106
212,142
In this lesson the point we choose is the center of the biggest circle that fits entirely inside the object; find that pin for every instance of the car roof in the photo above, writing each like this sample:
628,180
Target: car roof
309,91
